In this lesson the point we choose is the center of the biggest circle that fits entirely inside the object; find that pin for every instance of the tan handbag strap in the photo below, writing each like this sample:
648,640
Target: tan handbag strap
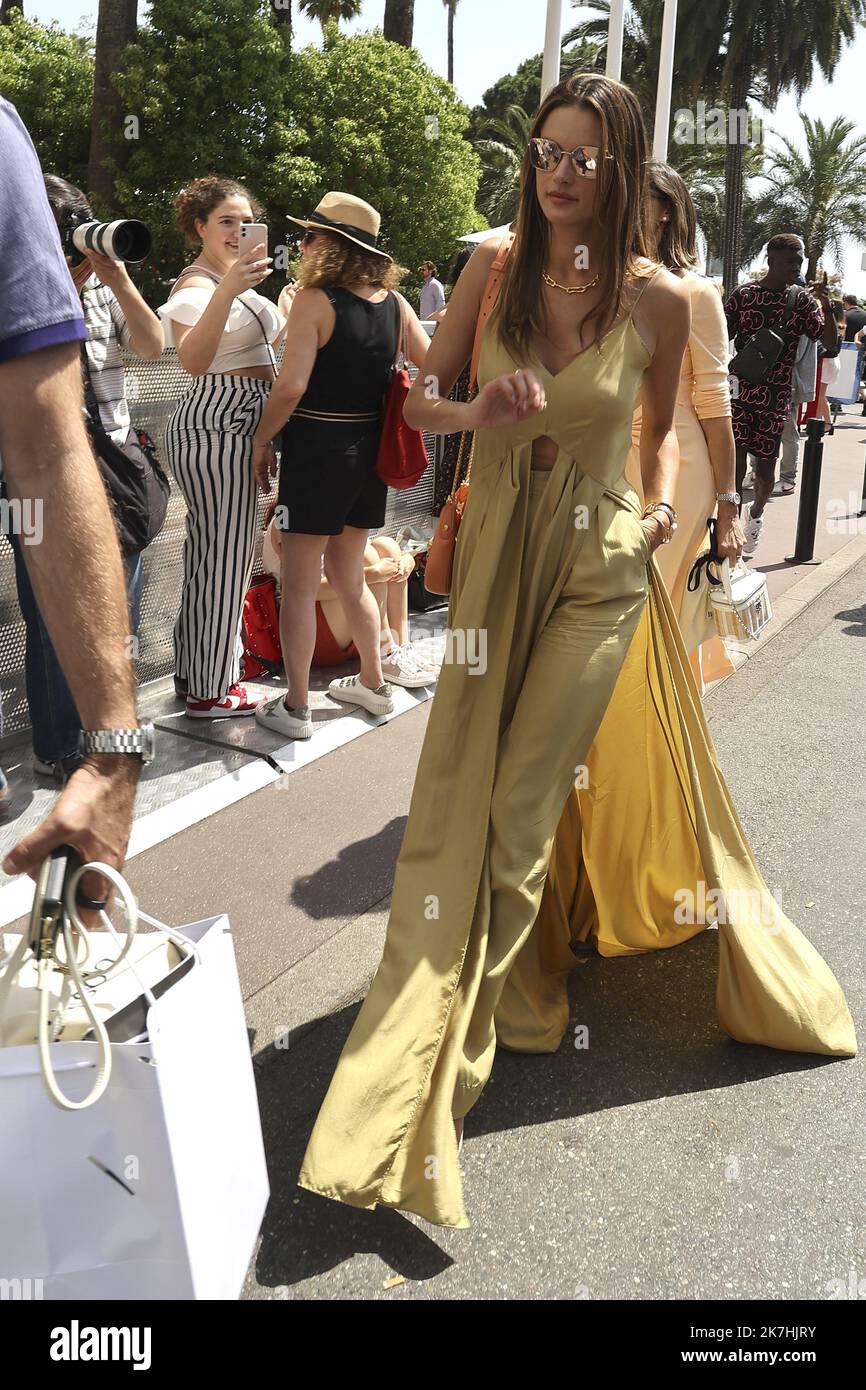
489,298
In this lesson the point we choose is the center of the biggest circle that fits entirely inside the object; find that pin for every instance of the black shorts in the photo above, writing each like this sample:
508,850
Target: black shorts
328,481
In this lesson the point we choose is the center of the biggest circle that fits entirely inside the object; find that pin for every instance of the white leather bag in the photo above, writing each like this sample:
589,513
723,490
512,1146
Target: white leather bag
741,608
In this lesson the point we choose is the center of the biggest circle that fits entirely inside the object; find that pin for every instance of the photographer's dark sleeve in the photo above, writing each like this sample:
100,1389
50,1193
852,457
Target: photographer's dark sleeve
39,305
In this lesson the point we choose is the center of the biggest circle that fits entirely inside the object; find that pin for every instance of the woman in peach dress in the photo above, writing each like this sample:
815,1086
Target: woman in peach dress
702,421
610,826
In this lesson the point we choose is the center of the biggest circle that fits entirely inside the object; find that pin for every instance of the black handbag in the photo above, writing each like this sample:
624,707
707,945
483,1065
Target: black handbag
135,482
763,350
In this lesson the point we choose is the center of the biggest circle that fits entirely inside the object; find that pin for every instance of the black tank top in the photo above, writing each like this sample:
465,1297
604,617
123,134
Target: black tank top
351,371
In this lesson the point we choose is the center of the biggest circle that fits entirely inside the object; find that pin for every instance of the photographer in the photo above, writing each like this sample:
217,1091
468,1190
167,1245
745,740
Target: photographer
115,316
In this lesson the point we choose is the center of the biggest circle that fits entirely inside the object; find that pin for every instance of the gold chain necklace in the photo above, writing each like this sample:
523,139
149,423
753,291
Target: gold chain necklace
569,289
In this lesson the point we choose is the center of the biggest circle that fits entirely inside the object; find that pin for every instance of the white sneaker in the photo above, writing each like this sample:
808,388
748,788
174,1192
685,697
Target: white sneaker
350,690
403,666
273,715
752,531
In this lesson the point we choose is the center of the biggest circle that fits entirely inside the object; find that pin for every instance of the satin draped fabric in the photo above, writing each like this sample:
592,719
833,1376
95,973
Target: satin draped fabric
559,579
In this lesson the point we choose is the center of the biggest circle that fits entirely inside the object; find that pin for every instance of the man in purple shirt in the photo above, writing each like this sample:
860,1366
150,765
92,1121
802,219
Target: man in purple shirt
49,468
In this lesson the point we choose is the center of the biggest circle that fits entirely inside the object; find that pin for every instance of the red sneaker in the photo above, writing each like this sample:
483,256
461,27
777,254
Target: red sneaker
229,706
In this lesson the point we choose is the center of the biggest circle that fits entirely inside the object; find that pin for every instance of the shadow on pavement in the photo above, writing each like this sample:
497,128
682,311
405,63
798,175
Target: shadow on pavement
856,617
652,1032
344,884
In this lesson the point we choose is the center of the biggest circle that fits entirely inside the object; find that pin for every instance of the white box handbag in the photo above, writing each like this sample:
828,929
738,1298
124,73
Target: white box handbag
741,607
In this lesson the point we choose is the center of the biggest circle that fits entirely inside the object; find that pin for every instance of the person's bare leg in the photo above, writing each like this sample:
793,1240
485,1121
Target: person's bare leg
765,478
826,412
344,571
336,618
398,610
300,576
395,616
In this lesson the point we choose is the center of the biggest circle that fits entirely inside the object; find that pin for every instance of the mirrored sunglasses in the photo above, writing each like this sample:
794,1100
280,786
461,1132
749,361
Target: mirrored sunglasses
545,154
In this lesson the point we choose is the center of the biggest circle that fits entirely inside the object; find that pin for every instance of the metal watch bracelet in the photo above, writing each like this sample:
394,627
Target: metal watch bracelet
132,742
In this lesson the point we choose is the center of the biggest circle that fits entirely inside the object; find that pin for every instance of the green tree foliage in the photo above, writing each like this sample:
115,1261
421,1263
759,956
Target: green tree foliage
818,192
523,87
48,75
381,125
218,91
207,80
330,11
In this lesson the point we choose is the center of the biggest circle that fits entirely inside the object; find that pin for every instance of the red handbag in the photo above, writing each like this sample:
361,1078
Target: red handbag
260,629
402,456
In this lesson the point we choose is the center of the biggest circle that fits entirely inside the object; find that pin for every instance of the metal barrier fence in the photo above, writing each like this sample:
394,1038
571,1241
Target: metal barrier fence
153,390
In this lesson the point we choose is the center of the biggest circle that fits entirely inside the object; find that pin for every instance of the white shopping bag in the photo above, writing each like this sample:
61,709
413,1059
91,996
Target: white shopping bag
157,1191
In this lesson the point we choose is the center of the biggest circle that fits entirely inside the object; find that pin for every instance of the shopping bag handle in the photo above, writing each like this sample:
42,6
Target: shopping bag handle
54,915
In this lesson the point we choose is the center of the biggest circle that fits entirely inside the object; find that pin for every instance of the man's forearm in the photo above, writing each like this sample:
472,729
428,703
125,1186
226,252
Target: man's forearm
75,567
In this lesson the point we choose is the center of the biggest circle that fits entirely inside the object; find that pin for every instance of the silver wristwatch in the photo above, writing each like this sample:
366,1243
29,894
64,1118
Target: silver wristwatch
136,742
729,497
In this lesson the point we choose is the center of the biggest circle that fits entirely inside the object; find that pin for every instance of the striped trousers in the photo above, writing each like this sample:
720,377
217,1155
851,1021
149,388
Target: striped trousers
209,446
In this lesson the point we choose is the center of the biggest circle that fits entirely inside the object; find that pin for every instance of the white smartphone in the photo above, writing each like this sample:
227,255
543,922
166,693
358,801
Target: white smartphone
253,234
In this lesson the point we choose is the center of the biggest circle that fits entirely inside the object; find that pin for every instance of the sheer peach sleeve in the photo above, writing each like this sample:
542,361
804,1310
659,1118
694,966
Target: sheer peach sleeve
708,344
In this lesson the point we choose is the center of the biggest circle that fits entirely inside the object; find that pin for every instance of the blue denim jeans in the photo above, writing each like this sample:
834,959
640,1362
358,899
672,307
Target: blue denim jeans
53,715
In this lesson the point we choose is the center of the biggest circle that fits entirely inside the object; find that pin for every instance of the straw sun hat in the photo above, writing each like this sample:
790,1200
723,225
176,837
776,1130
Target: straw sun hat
348,217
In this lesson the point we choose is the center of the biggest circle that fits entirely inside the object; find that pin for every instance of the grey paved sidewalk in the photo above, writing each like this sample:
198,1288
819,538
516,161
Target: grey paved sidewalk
666,1161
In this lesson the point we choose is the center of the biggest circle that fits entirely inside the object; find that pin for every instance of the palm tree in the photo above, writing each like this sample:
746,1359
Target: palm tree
500,145
326,11
451,7
640,51
399,21
820,194
116,26
767,47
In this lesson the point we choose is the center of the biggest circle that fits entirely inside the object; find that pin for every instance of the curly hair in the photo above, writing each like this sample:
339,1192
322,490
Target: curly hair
199,198
333,260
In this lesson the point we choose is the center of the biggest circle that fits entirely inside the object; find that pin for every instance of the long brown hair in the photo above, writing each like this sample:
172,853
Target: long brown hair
677,241
620,208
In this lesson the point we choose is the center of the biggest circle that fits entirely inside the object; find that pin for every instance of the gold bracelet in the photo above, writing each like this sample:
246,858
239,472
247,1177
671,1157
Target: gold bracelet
652,515
653,509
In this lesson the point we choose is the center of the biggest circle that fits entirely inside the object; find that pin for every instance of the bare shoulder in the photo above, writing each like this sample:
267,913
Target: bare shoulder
311,301
665,294
478,267
192,282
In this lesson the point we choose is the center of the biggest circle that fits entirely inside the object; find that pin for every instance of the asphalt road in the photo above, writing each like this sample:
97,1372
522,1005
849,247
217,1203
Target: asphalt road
665,1162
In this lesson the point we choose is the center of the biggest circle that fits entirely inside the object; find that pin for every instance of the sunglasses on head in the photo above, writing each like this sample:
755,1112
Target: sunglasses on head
545,154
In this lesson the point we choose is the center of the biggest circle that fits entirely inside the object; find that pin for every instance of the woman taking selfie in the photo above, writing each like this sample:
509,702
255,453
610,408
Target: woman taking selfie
223,332
345,328
555,565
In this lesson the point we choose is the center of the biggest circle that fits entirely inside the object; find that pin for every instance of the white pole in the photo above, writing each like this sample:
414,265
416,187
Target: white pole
615,27
552,47
666,77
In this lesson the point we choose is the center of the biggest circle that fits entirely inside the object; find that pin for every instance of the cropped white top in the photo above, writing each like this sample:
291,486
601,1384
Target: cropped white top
250,318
